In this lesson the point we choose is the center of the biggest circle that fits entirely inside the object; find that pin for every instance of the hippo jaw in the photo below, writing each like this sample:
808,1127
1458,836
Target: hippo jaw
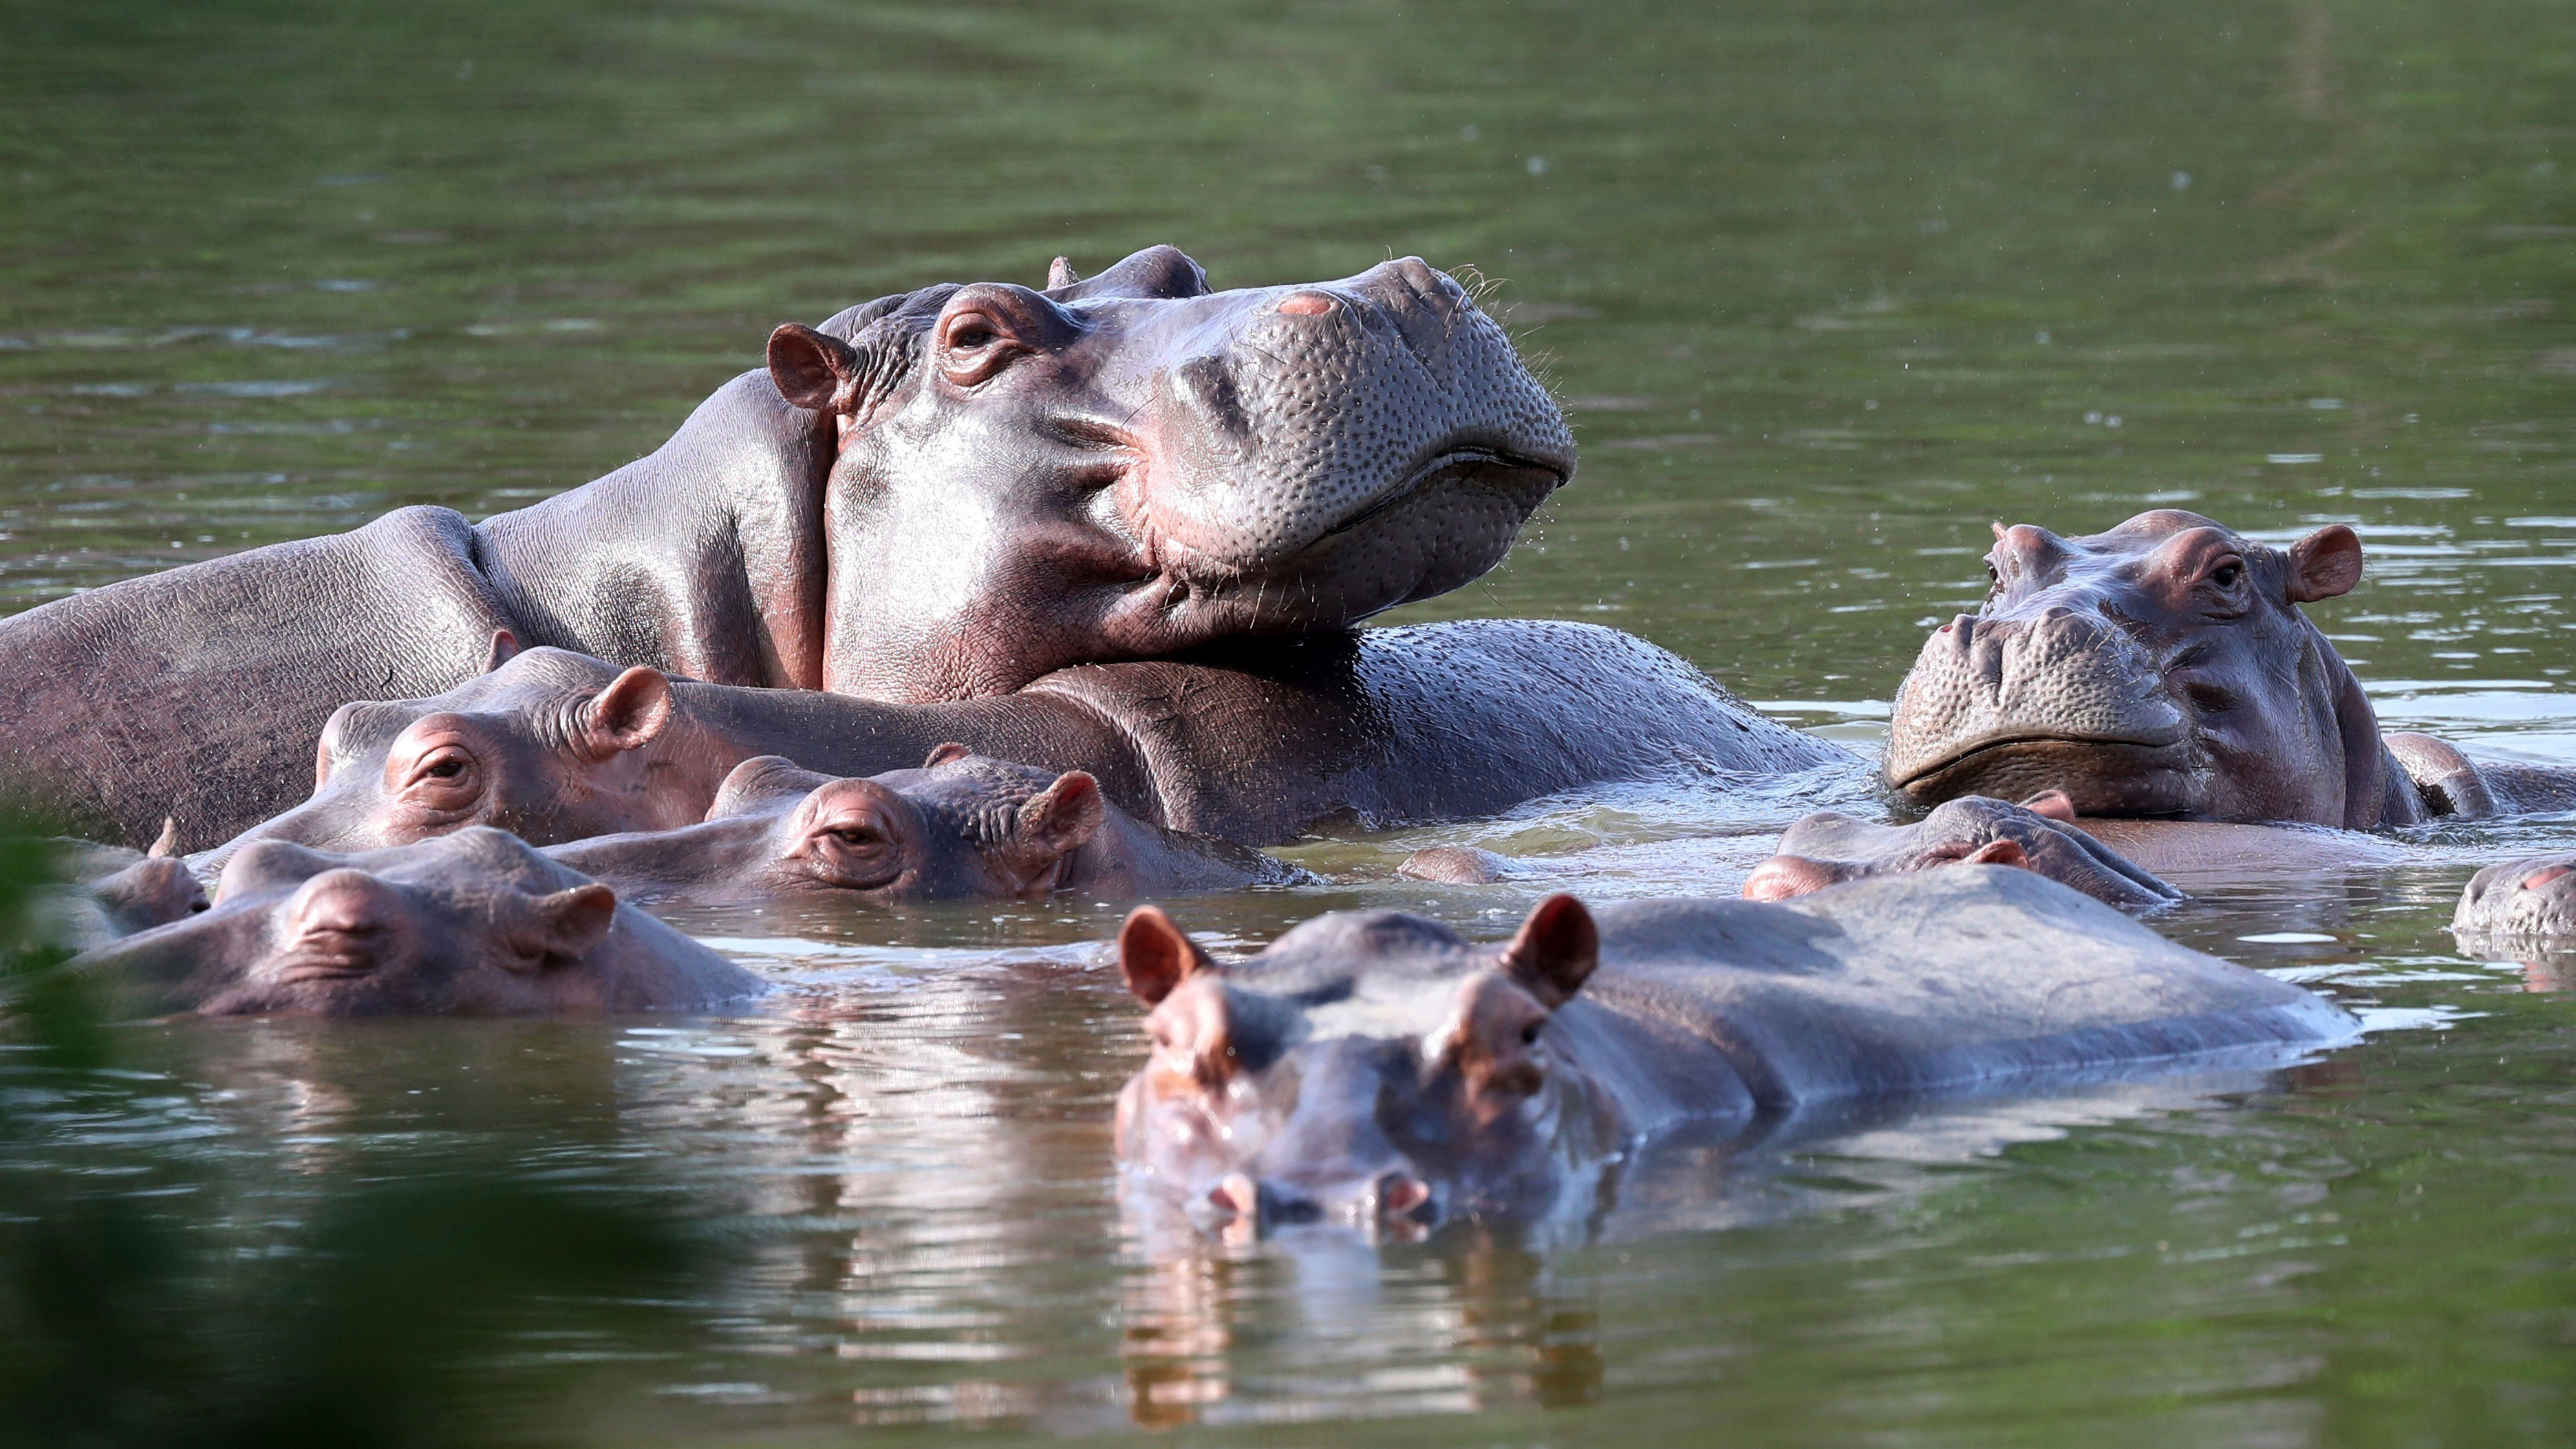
1135,466
2160,669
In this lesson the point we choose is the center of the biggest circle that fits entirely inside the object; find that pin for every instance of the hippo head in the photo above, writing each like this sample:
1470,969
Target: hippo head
961,827
473,923
549,745
2522,900
1133,465
1370,1068
1829,847
2162,668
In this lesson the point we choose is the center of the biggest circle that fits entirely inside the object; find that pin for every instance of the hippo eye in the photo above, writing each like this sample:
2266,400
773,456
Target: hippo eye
856,836
1529,1033
2226,574
971,333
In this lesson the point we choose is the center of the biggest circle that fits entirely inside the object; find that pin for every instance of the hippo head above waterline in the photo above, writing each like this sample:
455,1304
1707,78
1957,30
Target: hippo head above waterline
473,923
1134,465
2162,668
1371,1068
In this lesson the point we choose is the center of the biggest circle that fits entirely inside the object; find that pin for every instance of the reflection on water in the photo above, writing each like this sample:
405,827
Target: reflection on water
1826,290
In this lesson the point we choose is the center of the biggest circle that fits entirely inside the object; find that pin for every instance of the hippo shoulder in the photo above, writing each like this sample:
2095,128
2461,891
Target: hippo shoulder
1938,979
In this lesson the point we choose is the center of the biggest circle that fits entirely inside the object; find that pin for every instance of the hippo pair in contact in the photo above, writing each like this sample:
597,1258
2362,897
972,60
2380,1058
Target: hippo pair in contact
959,493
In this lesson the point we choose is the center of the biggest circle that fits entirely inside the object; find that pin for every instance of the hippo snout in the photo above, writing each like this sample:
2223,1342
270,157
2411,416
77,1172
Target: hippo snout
1391,1198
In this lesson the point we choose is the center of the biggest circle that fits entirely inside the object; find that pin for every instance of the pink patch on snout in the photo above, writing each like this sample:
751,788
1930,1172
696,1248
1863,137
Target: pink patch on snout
1307,304
2540,878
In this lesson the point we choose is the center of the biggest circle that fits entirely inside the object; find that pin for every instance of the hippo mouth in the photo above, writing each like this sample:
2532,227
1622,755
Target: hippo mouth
2102,775
1496,468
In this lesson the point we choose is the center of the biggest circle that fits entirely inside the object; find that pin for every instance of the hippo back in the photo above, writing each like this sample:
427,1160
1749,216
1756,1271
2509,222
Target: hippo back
1939,980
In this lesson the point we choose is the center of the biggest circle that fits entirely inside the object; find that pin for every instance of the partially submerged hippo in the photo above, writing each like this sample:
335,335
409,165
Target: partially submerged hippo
2164,669
2523,901
1828,847
473,923
960,827
111,891
1375,1067
1431,722
937,495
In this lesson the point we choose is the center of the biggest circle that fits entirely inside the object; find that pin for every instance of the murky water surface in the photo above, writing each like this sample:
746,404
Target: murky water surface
1827,287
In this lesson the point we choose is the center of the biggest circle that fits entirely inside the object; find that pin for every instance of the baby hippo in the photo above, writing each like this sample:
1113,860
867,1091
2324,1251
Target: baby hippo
960,827
1828,848
116,892
2523,900
473,923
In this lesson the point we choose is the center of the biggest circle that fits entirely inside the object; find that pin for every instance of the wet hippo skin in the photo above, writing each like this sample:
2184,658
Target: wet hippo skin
1256,745
2528,900
2164,669
943,494
960,827
1829,847
1374,1068
474,923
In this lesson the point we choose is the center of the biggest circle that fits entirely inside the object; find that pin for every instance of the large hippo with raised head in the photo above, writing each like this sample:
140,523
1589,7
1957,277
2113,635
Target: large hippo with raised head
2164,669
1374,1067
942,494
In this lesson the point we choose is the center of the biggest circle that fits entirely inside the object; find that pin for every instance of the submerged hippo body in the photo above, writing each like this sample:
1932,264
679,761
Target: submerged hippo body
939,495
474,923
2164,669
1385,726
960,827
1376,1067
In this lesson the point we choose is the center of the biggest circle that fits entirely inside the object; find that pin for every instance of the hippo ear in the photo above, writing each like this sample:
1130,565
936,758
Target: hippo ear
505,647
814,370
628,713
1785,877
1154,272
166,844
1064,816
2325,564
1155,955
947,754
559,929
1060,274
1555,951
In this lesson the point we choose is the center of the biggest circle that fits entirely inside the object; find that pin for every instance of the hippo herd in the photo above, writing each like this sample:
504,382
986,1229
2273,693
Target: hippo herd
990,591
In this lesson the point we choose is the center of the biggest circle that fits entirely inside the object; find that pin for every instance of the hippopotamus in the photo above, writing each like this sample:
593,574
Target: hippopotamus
2164,669
1385,726
1829,847
961,826
2528,901
111,891
471,923
942,494
1374,1067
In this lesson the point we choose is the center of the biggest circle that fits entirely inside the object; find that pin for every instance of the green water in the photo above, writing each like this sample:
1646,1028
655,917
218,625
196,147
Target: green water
1826,287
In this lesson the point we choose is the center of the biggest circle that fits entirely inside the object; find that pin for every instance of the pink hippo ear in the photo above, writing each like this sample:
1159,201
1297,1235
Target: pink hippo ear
505,647
814,370
1998,852
627,714
947,754
561,928
1155,955
2325,564
1785,877
1555,951
1064,816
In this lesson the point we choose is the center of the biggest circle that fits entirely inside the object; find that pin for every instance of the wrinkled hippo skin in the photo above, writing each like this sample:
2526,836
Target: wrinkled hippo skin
473,923
1375,1068
1827,848
2164,669
1385,726
938,495
2529,900
960,827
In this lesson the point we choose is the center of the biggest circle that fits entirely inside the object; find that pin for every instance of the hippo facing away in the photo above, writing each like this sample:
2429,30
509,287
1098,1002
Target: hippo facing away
474,923
938,495
1375,1068
2164,669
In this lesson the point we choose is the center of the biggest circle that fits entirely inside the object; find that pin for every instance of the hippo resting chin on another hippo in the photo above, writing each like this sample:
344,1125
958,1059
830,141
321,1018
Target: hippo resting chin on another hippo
1430,722
474,923
960,827
1376,1068
1827,848
2164,669
943,494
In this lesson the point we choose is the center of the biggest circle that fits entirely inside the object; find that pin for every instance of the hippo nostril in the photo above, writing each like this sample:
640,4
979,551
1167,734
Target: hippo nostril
1402,1195
2540,878
1306,304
